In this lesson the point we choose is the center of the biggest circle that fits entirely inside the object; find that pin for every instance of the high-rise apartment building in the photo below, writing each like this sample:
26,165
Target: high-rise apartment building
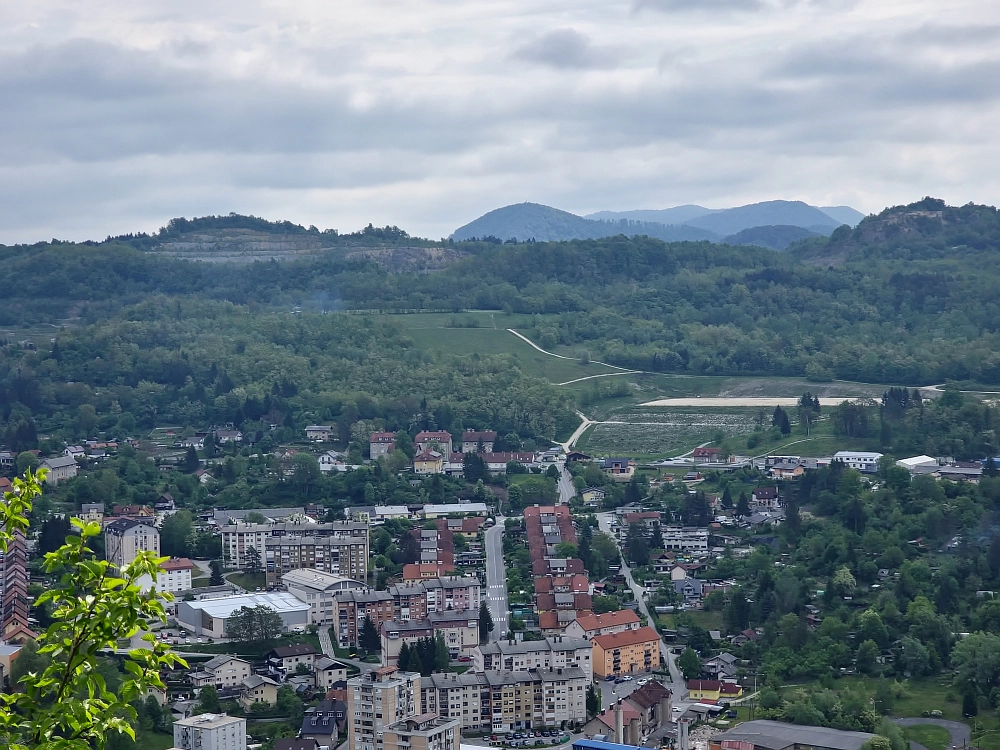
375,701
211,732
125,538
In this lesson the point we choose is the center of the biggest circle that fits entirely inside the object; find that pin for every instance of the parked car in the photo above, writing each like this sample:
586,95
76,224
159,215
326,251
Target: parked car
730,714
627,678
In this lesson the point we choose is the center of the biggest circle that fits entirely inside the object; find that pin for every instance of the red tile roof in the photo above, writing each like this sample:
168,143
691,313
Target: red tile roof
608,619
626,638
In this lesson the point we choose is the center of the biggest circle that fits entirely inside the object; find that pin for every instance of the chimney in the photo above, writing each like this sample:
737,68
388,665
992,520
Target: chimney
619,724
682,735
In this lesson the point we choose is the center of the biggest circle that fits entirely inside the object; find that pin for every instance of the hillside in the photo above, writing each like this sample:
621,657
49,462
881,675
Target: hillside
776,237
533,221
732,220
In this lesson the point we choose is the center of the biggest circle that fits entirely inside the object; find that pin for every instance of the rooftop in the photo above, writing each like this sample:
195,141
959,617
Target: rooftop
317,579
777,735
627,638
608,620
208,721
223,607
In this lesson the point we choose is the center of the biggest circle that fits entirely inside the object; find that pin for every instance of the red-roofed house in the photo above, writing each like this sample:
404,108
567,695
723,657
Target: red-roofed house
712,691
604,723
176,575
420,571
436,441
380,443
706,454
589,626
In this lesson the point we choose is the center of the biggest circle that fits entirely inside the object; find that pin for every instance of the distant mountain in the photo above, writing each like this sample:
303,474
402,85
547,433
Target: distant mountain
675,215
843,214
526,221
776,237
768,213
727,221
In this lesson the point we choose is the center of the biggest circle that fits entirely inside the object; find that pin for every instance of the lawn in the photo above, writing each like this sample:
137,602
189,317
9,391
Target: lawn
154,741
930,736
248,581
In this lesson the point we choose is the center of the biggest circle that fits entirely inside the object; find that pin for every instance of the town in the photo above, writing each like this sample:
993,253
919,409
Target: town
554,598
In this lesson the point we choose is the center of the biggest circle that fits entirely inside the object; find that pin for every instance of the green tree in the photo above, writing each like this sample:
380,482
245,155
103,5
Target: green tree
689,663
216,578
306,473
441,657
515,498
867,657
369,638
403,660
26,461
251,560
260,624
638,547
474,468
177,533
593,700
208,701
743,505
970,704
877,743
28,660
191,461
67,704
552,472
485,622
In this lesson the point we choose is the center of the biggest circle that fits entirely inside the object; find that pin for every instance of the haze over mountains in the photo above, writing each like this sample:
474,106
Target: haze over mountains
774,224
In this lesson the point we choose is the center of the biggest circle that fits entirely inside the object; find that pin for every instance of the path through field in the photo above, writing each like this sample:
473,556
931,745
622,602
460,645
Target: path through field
742,401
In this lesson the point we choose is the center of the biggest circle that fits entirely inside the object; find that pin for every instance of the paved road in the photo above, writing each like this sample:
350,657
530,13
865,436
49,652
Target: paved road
325,643
666,655
496,580
566,489
961,735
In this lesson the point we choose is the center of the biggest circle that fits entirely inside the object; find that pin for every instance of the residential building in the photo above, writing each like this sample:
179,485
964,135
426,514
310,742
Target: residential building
864,461
414,599
721,666
497,462
309,743
326,672
593,497
92,512
460,631
428,462
211,732
551,652
344,556
285,660
324,723
210,616
238,539
765,497
706,454
433,441
779,735
432,510
319,433
228,436
318,589
423,571
223,517
258,689
625,652
125,538
222,671
375,701
619,469
478,442
458,696
605,723
353,607
713,691
423,732
60,468
380,443
685,538
590,625
16,612
176,575
653,703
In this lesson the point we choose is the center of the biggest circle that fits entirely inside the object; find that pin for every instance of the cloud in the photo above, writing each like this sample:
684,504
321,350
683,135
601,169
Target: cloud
565,48
424,113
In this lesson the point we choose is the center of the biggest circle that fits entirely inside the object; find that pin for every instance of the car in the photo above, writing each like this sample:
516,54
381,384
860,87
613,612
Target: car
539,742
464,659
677,709
518,735
610,677
200,639
187,640
731,714
509,736
643,681
493,737
545,733
627,678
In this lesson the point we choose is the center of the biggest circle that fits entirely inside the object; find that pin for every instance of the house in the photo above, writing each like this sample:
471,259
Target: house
324,722
653,703
478,442
75,451
765,497
319,433
164,503
380,443
590,625
788,468
593,497
196,441
576,456
619,469
604,724
92,512
692,589
721,666
428,462
175,575
228,436
627,651
326,672
258,689
437,441
713,691
222,671
291,744
60,468
864,461
706,454
286,659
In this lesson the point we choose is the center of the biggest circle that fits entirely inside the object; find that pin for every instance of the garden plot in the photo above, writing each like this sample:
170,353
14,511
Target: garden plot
665,431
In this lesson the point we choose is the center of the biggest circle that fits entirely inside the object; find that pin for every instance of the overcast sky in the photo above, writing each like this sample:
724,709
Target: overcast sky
118,115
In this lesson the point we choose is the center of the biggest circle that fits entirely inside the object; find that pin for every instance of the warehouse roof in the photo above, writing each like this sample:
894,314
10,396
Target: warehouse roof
777,735
223,607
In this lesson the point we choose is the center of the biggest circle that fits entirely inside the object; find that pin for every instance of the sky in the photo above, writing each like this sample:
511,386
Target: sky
119,115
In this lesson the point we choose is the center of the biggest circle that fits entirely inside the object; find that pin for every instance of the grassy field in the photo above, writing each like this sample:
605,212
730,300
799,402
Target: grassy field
248,581
154,741
663,432
930,736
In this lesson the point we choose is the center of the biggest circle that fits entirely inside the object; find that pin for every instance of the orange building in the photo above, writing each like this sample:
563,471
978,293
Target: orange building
628,651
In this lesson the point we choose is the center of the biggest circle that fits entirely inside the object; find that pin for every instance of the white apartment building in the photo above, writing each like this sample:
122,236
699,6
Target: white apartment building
375,701
556,651
317,589
238,538
125,538
686,538
863,461
176,575
222,671
211,732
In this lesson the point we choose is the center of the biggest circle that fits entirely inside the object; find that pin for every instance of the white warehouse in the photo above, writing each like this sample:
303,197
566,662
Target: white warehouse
209,616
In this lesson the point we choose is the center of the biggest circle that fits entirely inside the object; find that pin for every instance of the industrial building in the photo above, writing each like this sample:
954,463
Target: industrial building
777,735
209,616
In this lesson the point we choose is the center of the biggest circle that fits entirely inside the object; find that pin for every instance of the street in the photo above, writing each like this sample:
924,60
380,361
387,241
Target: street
496,580
566,490
678,687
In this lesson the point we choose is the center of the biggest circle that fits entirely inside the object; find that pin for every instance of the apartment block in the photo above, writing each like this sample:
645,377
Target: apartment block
125,538
343,556
353,606
423,732
238,538
377,700
459,629
551,653
211,732
625,652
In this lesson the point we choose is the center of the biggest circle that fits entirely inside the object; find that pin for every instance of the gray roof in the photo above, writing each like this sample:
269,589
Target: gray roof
223,517
326,662
255,680
217,661
552,643
59,462
362,597
777,735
